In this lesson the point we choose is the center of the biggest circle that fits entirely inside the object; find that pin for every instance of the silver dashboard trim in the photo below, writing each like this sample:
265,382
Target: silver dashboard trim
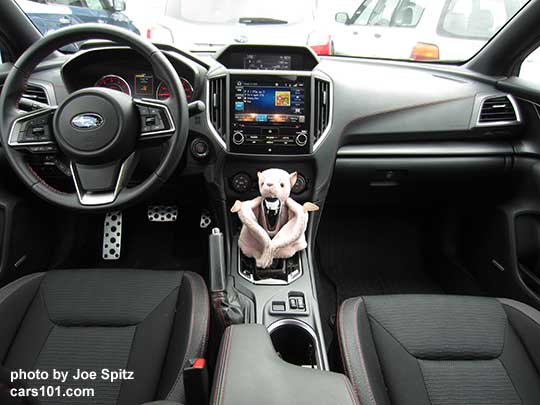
320,76
213,130
443,149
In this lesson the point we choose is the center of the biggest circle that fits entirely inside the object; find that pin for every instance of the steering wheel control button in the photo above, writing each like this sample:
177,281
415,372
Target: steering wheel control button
238,138
241,183
33,129
200,149
154,119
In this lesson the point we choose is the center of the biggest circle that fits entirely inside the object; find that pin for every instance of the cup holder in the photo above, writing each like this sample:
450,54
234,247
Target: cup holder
295,342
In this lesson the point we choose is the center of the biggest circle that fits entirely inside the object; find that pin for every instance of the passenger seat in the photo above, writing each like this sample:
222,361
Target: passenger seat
441,349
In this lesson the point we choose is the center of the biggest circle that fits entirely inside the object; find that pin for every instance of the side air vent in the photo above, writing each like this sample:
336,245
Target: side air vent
321,108
36,93
497,110
217,102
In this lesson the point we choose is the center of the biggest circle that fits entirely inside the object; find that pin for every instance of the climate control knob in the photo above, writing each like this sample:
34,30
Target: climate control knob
238,138
301,139
241,182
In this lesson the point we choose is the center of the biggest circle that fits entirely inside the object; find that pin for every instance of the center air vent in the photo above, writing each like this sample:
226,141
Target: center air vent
36,93
498,110
321,108
217,102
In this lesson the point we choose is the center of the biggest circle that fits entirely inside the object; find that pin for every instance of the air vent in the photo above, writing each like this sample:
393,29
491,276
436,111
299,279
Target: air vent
496,110
321,108
36,93
217,102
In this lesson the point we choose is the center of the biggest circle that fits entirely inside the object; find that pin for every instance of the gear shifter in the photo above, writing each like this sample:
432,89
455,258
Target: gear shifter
228,305
272,209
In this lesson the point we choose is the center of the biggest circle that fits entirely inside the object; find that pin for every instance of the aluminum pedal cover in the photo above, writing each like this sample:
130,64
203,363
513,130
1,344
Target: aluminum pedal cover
112,235
162,213
206,219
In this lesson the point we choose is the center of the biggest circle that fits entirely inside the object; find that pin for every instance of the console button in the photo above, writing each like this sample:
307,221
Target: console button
238,138
293,303
301,139
301,304
200,148
278,306
300,186
269,131
241,182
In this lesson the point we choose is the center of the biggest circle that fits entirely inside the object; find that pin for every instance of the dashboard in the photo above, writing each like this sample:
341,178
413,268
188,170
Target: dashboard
330,117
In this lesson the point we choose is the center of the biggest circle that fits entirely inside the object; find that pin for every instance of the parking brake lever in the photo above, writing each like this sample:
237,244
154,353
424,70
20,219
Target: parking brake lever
218,269
226,302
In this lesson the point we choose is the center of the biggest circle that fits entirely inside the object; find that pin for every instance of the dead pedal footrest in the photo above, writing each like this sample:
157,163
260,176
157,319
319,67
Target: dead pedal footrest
112,235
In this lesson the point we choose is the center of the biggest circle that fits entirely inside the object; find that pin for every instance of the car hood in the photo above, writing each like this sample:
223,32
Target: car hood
210,37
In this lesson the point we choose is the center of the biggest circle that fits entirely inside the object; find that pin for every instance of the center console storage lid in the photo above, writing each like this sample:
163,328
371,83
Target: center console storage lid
249,371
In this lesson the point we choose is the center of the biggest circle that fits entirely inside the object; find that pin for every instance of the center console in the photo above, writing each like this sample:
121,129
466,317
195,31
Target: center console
269,108
250,372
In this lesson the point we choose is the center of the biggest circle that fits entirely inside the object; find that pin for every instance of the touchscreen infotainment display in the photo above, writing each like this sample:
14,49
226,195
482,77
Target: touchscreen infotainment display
270,103
270,113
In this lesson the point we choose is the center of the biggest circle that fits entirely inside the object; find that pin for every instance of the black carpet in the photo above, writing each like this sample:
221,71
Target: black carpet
179,245
377,253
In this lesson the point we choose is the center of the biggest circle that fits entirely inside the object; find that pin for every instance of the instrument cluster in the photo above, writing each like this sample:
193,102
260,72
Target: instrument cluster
142,84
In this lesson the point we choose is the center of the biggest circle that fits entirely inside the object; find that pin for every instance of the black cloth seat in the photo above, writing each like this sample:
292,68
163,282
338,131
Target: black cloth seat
151,323
441,349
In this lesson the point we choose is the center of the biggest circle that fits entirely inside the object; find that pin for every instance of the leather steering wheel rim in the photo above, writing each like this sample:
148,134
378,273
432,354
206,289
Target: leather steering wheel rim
177,106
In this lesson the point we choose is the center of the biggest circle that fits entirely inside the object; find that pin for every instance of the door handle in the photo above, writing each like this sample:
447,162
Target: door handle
377,35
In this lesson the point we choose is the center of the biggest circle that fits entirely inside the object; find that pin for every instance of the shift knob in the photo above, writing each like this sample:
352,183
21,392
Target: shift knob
272,208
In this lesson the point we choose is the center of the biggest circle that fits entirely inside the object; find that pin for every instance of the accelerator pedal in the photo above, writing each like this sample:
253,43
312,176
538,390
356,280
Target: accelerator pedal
112,235
162,213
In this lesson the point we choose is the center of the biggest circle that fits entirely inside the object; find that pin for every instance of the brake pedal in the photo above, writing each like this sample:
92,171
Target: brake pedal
206,219
112,235
162,213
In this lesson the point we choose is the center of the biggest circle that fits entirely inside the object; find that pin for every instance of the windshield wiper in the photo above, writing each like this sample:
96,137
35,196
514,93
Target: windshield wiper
260,21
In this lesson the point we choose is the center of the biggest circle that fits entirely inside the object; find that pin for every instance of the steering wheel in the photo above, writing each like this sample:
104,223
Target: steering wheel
99,130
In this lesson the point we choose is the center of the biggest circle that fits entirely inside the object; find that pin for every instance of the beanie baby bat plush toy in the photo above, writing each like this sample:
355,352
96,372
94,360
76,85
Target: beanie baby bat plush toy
273,224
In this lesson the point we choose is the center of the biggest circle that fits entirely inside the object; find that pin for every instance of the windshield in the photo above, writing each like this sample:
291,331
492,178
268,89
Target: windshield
421,30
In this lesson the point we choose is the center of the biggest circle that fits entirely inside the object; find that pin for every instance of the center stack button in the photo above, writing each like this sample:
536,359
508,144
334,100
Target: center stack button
238,138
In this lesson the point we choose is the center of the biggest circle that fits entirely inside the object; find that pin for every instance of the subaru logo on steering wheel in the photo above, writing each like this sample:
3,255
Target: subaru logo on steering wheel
87,121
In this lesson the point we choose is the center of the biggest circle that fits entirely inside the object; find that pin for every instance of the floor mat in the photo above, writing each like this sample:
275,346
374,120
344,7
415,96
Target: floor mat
379,253
179,245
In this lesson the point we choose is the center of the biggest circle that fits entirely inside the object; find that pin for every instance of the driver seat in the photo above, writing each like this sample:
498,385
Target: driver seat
151,323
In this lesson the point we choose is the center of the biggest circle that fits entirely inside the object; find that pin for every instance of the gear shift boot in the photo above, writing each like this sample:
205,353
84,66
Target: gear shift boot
285,270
